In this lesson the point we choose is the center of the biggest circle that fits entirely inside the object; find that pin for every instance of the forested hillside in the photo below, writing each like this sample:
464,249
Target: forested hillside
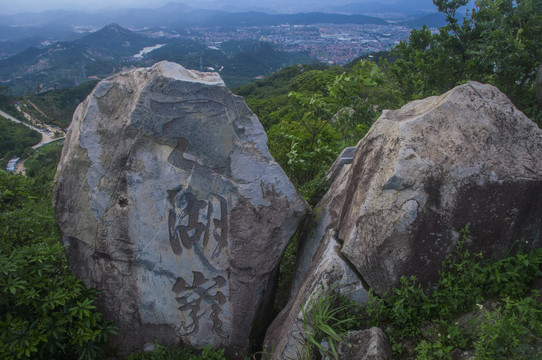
310,113
16,140
57,106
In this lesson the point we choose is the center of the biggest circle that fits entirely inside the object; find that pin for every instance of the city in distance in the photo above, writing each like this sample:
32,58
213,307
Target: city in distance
41,51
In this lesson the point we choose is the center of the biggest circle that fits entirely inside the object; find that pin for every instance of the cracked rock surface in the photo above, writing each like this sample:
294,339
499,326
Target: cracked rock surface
419,176
425,171
170,203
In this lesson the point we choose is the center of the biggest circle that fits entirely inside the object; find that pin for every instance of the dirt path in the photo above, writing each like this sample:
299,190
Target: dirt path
37,109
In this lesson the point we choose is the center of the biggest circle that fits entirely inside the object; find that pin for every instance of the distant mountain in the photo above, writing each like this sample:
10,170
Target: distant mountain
256,18
114,40
69,63
15,33
10,48
434,20
177,16
256,59
397,10
238,62
104,52
386,10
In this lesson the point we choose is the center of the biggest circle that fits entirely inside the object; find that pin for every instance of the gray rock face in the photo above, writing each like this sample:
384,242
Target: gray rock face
345,158
369,344
320,267
286,336
425,171
325,219
169,203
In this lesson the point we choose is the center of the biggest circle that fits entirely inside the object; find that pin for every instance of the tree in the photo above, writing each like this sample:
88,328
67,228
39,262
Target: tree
498,43
327,113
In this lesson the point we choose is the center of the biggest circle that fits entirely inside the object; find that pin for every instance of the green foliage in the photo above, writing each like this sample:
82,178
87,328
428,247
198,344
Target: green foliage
43,162
324,317
178,353
7,102
312,112
16,139
45,312
497,43
59,105
508,330
326,112
277,83
286,275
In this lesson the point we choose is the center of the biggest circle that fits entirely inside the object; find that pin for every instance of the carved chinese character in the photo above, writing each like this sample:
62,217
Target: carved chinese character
201,299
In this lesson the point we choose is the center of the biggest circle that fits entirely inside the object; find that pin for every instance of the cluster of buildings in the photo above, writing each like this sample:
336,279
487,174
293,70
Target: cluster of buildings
331,43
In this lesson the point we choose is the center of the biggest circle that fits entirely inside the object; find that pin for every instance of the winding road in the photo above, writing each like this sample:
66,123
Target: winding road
46,138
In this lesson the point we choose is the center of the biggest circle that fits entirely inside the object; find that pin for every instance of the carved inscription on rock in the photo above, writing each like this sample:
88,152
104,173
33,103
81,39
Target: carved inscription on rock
197,224
200,227
202,298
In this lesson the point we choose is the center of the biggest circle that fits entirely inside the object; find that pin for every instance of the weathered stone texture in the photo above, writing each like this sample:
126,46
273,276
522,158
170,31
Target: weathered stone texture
369,344
286,336
169,203
425,171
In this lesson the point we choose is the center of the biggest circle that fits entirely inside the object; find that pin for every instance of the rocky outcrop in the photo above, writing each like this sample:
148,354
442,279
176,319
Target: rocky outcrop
345,158
425,171
369,344
328,274
320,268
419,176
170,204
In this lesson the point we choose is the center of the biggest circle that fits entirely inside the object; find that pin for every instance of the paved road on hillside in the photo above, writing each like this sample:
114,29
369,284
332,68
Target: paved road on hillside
45,137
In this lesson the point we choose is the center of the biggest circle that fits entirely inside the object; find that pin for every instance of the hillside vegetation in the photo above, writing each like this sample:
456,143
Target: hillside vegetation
16,140
310,113
56,107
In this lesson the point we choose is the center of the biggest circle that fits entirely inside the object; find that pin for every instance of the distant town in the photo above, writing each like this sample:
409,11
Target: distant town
329,43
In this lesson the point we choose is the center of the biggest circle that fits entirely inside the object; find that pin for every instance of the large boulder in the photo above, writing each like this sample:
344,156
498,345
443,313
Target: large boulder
169,202
425,171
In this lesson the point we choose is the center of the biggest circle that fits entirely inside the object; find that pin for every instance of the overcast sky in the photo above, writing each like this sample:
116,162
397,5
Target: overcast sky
19,6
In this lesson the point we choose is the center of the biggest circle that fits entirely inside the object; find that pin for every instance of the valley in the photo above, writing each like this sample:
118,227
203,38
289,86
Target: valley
66,49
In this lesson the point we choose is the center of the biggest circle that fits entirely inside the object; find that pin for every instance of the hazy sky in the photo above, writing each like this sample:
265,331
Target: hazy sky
19,6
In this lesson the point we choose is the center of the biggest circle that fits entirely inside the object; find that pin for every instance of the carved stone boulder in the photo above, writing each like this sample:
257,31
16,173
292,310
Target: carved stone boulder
170,203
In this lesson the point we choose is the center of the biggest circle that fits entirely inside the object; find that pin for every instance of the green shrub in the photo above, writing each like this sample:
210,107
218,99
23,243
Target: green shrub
326,315
45,312
510,331
422,325
16,139
178,353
